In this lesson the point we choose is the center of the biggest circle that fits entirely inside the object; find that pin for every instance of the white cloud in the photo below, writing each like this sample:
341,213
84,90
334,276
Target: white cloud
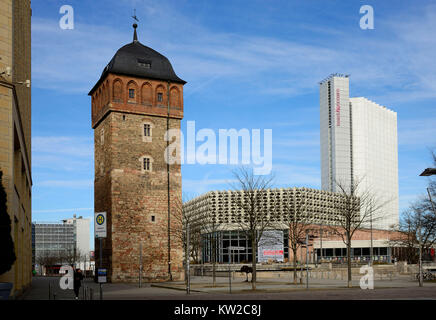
84,183
62,210
71,146
404,63
290,175
417,132
203,185
299,139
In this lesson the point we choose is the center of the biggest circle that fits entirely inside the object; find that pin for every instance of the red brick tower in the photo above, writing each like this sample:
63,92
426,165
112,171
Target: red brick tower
137,98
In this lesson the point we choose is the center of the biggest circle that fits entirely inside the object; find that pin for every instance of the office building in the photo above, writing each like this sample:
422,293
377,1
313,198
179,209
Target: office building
359,147
58,243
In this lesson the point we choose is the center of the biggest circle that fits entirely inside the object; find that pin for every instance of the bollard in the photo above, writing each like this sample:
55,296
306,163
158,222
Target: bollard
91,294
54,296
49,291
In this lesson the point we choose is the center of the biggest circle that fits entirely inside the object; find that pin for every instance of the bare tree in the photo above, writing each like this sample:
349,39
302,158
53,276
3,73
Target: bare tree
417,229
180,222
70,256
47,258
357,207
297,219
210,226
253,216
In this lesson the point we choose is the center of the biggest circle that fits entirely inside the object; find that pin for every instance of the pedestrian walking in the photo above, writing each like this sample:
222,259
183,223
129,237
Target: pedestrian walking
78,277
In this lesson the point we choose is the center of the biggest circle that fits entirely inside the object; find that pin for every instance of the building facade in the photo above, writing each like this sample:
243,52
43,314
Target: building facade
57,243
52,241
326,246
82,231
219,208
359,146
15,134
137,99
320,217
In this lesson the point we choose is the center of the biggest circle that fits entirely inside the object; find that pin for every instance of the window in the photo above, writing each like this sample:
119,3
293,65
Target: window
146,164
144,63
147,130
132,93
152,218
159,97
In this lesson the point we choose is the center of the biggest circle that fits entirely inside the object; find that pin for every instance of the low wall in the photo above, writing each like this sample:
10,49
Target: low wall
381,272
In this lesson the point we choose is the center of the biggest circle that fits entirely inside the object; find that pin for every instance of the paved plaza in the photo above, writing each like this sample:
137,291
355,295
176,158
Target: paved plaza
402,287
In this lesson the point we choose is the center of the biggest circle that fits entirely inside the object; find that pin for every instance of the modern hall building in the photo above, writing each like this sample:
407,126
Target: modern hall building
219,208
359,146
217,216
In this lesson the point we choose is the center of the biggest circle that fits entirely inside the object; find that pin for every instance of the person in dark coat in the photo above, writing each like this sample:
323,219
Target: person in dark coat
78,277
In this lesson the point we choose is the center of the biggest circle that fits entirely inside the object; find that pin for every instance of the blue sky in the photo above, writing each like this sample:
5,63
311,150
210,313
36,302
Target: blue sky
248,64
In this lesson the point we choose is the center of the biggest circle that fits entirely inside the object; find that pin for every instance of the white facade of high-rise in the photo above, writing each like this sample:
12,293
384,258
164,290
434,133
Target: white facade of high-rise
375,156
82,232
335,133
359,146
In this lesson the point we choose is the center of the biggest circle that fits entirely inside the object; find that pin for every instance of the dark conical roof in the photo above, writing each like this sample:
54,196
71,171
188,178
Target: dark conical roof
135,59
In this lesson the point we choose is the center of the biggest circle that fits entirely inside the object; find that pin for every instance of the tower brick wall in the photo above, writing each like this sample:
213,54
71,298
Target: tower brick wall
134,198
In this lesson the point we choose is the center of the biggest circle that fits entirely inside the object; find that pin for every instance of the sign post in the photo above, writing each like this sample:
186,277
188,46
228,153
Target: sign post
100,232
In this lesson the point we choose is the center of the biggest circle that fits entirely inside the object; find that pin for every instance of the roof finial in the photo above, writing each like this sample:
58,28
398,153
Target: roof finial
135,35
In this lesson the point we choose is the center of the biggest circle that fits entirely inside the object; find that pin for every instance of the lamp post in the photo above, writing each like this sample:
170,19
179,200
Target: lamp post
320,261
427,172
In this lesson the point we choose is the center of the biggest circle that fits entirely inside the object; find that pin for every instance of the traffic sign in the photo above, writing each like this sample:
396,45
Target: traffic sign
101,275
100,230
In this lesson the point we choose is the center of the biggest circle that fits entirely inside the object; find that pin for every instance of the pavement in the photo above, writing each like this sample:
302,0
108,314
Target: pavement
402,287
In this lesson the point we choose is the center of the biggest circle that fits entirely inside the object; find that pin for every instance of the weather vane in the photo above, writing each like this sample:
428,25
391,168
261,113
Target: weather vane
134,15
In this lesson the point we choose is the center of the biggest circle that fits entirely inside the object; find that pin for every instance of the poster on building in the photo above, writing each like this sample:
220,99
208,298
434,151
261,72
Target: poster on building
271,246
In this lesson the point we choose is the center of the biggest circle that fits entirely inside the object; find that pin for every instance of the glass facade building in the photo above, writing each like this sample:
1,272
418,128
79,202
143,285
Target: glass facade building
53,239
233,238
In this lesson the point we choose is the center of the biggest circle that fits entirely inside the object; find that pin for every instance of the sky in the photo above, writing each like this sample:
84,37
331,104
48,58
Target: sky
248,64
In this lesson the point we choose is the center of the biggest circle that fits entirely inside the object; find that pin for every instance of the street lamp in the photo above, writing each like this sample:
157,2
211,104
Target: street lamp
427,172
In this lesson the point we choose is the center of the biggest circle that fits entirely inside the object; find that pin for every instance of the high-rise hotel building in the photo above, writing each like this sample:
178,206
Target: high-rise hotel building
359,144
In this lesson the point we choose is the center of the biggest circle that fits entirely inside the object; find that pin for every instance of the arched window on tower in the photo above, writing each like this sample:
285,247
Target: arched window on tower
103,95
146,94
106,93
174,97
161,98
118,91
132,90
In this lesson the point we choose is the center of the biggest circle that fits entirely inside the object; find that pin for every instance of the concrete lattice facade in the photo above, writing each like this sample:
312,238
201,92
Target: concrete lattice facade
359,147
320,207
15,134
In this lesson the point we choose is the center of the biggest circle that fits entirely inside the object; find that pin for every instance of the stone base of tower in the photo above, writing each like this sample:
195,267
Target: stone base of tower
152,271
146,278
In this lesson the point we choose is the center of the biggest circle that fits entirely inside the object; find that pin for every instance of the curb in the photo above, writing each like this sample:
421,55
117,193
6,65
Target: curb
174,288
